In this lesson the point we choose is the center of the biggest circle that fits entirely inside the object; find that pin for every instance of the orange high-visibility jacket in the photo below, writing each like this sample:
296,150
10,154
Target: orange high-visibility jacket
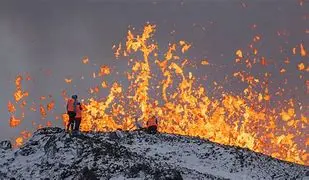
78,111
70,105
152,121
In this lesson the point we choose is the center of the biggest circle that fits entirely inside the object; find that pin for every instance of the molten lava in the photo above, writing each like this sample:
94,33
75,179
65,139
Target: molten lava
184,105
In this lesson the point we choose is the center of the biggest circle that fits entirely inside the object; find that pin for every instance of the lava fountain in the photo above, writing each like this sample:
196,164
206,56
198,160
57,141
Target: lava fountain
161,85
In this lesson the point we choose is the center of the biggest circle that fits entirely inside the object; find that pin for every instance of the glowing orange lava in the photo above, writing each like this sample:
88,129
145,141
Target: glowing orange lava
14,122
185,107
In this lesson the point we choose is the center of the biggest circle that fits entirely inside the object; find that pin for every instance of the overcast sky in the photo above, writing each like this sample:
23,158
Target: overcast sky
48,36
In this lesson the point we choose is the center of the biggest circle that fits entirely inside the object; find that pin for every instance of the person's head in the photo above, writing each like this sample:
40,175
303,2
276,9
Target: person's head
74,97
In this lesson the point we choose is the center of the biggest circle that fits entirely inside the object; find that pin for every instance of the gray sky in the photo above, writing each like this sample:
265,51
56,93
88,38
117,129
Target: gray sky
41,35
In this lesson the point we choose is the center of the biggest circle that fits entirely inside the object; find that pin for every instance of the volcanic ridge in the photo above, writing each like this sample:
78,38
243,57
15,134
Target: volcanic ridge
52,153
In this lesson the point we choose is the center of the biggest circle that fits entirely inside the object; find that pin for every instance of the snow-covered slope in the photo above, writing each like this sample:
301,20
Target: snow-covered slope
53,154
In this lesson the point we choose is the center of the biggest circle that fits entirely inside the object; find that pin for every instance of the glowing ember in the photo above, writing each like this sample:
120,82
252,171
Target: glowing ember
85,60
18,81
301,66
117,53
185,46
14,122
104,84
19,141
11,107
28,77
25,134
302,50
239,53
256,38
68,80
205,62
94,90
282,70
294,51
50,106
263,61
43,112
104,70
19,94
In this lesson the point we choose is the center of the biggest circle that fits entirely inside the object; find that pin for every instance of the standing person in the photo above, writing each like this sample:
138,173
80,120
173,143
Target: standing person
152,125
71,110
78,117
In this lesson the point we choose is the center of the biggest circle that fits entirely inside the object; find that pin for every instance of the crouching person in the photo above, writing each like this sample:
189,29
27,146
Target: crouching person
152,125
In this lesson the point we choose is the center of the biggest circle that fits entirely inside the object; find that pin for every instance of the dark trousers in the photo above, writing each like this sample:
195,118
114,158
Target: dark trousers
152,129
77,124
71,120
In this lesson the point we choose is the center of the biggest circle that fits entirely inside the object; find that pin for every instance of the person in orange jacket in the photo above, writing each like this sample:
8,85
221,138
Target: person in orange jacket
152,125
71,111
78,117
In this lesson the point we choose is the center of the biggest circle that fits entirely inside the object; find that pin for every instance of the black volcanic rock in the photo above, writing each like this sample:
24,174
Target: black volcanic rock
5,145
86,174
54,154
168,174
